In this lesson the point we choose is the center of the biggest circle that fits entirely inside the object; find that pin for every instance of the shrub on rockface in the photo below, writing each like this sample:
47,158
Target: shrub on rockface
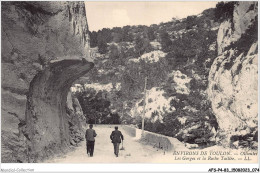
165,40
133,77
224,10
249,37
198,129
172,125
248,140
142,45
193,45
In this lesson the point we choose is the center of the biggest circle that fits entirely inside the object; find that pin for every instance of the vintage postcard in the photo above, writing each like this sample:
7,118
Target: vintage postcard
140,82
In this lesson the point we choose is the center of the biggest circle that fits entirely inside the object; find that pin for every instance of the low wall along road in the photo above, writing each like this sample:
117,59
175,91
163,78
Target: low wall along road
156,140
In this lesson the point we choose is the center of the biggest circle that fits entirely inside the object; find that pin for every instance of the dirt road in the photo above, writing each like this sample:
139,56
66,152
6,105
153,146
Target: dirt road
134,152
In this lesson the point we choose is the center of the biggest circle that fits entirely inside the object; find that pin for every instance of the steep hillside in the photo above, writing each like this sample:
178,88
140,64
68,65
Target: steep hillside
175,57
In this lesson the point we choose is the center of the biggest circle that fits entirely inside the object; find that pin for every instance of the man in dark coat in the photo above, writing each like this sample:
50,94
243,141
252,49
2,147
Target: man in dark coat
116,137
90,140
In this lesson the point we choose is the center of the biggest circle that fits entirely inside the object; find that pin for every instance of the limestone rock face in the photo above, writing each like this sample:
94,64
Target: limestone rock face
45,48
76,119
230,31
233,77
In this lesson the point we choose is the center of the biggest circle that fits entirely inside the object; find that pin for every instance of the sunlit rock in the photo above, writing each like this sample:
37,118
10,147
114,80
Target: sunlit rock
233,78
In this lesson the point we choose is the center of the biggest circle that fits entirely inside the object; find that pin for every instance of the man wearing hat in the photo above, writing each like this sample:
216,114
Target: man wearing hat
116,137
90,140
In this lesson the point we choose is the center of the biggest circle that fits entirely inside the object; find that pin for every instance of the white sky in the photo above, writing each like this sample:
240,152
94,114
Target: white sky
111,14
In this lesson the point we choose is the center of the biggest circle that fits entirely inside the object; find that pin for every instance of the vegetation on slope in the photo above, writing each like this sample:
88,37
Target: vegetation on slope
129,54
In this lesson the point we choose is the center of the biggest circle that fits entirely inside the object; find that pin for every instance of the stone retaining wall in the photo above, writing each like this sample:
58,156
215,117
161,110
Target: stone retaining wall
157,140
130,130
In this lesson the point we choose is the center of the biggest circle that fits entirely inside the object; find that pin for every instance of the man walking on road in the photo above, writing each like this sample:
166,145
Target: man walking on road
116,137
90,140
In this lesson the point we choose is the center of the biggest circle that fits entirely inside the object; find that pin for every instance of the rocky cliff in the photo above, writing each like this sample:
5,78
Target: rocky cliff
76,119
233,77
44,50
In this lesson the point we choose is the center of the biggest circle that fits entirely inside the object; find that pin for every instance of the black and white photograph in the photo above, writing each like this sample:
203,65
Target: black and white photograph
126,82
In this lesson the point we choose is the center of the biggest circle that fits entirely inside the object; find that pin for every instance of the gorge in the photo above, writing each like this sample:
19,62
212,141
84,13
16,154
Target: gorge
202,75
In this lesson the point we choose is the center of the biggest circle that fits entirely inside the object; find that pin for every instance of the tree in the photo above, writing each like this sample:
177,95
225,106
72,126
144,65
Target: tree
165,40
117,37
117,34
93,39
96,107
142,45
114,52
150,33
102,45
127,36
106,34
224,10
190,22
115,55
